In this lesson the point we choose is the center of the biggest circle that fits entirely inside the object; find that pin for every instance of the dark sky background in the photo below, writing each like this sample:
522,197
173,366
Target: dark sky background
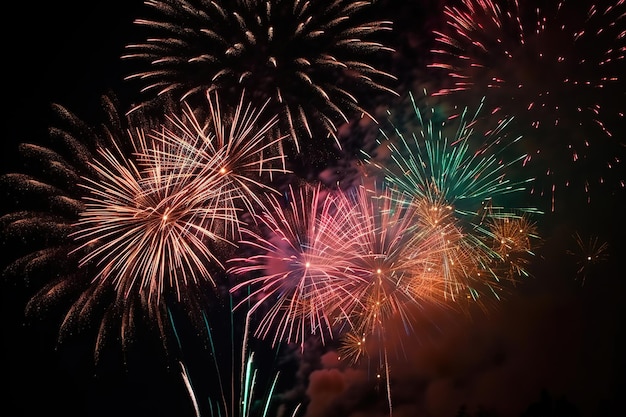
550,333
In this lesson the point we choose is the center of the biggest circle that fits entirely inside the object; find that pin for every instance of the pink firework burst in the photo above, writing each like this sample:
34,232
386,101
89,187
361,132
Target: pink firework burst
300,278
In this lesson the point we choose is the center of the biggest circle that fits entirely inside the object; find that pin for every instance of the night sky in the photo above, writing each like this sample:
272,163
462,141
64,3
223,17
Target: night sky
552,337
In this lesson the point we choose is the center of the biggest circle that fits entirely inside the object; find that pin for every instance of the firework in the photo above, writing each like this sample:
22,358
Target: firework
146,228
458,184
301,273
226,152
352,348
48,201
414,250
332,262
156,206
312,59
238,387
152,223
588,253
514,239
390,255
392,259
556,67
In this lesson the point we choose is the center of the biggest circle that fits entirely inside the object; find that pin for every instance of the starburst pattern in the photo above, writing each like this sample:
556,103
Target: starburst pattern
588,254
229,150
352,348
391,256
514,239
153,208
313,58
300,273
146,227
393,259
154,224
50,205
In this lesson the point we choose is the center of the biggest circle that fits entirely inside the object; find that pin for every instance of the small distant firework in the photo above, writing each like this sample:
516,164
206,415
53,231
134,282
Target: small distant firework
514,239
300,273
352,347
588,254
557,68
312,59
458,185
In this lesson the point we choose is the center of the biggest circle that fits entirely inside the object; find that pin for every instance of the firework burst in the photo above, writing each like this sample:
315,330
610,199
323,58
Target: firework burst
391,256
335,263
146,228
227,152
352,348
457,192
394,275
301,274
588,254
153,223
157,205
556,67
514,239
49,201
312,59
392,259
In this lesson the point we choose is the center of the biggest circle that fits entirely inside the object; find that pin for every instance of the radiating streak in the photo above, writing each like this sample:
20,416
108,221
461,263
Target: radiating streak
304,67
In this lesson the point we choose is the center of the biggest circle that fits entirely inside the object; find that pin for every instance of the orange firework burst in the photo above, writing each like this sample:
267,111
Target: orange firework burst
514,239
352,348
391,255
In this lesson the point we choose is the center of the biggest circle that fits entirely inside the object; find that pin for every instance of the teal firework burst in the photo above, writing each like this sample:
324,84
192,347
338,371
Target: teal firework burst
461,179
